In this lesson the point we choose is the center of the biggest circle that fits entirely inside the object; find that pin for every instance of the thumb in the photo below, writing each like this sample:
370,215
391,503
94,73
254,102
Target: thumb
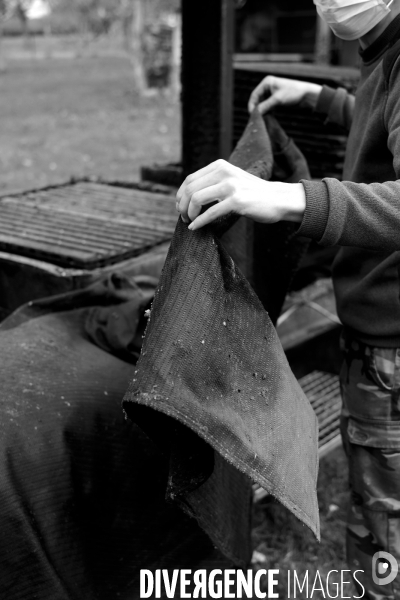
268,104
253,102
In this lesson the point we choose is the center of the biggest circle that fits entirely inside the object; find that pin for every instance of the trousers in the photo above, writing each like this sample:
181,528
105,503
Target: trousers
370,426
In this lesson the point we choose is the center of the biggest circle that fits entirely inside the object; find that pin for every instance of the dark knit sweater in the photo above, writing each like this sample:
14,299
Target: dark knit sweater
362,213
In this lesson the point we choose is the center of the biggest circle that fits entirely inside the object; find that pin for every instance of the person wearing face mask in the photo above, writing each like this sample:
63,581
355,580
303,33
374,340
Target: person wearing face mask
361,213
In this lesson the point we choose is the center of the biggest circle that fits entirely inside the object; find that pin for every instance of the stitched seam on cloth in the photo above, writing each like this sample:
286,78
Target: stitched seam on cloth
233,460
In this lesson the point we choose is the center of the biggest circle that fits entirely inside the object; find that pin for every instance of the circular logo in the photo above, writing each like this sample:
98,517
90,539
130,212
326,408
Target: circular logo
384,568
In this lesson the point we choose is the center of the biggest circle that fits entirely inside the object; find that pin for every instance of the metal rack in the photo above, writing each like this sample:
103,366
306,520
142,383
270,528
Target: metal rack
85,225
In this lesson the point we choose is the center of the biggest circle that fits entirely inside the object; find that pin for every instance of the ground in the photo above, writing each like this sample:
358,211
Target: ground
288,545
72,116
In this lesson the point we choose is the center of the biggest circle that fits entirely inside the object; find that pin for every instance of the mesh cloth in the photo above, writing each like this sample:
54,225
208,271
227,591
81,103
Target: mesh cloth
211,359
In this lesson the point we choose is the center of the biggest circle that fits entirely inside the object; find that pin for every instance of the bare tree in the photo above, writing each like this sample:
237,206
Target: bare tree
19,8
21,11
5,12
137,46
175,78
132,18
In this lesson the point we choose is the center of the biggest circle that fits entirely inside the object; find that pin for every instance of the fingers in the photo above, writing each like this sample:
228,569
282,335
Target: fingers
203,197
211,214
196,188
255,97
193,184
263,88
268,104
204,190
197,174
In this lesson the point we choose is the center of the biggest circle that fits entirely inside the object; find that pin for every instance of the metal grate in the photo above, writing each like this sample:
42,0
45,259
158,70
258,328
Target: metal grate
85,225
323,391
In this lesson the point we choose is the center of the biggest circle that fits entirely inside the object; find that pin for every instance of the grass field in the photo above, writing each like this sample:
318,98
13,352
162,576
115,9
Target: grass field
72,117
61,118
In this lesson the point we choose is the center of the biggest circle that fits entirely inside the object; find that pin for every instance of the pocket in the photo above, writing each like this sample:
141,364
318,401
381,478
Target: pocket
383,367
375,478
366,396
371,413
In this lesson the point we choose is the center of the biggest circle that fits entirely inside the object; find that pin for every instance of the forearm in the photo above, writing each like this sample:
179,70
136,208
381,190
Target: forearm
353,214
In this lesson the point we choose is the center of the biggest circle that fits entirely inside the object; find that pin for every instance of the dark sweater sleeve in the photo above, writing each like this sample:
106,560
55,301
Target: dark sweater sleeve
357,214
337,106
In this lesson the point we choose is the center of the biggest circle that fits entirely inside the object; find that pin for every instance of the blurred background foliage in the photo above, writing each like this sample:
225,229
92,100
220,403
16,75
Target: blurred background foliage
145,27
77,16
89,87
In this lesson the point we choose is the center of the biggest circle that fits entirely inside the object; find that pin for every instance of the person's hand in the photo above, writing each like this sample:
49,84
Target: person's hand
240,192
280,91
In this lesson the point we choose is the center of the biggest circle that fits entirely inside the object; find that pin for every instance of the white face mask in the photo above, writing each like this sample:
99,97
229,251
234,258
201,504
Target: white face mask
351,19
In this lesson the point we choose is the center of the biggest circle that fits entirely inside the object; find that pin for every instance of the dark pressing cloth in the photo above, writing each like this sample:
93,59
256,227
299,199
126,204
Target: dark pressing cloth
275,250
211,359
